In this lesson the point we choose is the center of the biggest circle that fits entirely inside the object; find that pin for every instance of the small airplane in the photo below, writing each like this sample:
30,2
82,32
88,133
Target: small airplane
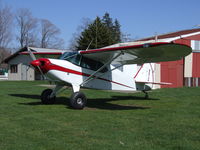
108,68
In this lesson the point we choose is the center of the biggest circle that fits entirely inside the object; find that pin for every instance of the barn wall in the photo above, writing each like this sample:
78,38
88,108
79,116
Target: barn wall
194,37
185,72
194,79
186,41
24,71
157,72
196,65
15,76
188,66
172,72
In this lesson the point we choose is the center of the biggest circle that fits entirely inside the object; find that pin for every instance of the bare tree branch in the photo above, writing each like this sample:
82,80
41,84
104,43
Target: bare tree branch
27,25
73,41
49,35
5,26
4,53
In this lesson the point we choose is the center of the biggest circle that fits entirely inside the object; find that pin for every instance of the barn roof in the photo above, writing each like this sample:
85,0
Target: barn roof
172,34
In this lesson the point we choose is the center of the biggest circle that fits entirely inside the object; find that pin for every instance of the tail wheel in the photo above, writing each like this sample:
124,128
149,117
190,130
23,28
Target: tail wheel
146,94
45,97
78,100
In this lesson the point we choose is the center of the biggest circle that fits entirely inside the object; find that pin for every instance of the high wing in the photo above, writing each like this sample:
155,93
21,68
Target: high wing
139,54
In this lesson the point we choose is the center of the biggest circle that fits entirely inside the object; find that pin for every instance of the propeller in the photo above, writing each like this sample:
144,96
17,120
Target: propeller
31,54
36,61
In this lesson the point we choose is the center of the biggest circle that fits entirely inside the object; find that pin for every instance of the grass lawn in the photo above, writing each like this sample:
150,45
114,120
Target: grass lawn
169,120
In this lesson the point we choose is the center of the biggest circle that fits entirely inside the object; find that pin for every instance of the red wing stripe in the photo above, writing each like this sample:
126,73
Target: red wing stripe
123,48
43,53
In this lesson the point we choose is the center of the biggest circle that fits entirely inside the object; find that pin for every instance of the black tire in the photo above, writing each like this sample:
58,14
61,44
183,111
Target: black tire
45,97
78,100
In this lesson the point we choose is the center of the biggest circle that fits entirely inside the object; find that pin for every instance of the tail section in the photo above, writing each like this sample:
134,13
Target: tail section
145,77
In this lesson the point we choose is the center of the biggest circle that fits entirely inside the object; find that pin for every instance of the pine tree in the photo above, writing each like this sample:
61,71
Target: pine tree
100,33
114,28
108,21
117,31
95,36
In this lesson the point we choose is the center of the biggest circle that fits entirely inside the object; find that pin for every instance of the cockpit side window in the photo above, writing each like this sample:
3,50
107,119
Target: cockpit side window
84,62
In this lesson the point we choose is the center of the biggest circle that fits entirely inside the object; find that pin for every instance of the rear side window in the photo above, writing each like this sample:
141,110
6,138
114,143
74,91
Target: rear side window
92,64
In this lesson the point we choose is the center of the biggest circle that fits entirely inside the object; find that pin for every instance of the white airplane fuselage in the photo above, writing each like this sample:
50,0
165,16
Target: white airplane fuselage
119,79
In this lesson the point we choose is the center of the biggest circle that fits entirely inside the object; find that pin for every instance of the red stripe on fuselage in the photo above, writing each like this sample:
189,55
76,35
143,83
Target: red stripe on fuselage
59,68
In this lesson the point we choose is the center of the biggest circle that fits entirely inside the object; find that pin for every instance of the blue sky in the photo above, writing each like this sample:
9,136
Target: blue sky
140,18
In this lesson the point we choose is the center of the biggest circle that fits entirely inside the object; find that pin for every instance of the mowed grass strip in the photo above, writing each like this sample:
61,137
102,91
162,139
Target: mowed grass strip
170,119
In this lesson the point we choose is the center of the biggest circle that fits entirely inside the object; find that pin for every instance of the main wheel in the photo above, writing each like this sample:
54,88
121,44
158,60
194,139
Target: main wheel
78,100
45,97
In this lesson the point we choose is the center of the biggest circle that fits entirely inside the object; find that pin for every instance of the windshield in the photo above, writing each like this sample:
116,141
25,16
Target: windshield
65,55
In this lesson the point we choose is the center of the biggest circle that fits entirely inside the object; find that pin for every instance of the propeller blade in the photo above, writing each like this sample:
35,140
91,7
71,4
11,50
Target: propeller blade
43,76
31,54
34,58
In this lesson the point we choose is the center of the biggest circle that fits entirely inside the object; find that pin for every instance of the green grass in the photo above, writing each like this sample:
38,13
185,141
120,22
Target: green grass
169,120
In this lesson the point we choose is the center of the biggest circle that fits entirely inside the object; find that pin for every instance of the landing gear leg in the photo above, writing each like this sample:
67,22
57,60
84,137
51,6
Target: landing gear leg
146,94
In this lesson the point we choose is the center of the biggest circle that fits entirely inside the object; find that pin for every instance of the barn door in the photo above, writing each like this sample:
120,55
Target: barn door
172,72
24,72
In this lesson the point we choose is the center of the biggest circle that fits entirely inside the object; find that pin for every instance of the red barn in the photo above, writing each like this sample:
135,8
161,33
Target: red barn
185,72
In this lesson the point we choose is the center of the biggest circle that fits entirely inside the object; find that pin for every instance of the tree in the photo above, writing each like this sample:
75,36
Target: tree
85,22
27,25
114,28
117,32
96,35
99,33
49,35
5,26
4,53
108,21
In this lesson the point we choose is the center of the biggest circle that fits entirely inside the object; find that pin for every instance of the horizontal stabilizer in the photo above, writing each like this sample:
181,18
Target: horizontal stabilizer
159,83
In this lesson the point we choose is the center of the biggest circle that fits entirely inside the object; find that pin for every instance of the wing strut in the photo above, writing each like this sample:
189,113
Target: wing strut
93,75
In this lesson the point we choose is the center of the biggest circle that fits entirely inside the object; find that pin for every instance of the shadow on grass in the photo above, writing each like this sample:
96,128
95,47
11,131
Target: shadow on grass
59,100
103,103
93,103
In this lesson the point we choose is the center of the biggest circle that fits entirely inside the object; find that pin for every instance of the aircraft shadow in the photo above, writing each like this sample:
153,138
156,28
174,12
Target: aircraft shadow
92,103
59,100
103,103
